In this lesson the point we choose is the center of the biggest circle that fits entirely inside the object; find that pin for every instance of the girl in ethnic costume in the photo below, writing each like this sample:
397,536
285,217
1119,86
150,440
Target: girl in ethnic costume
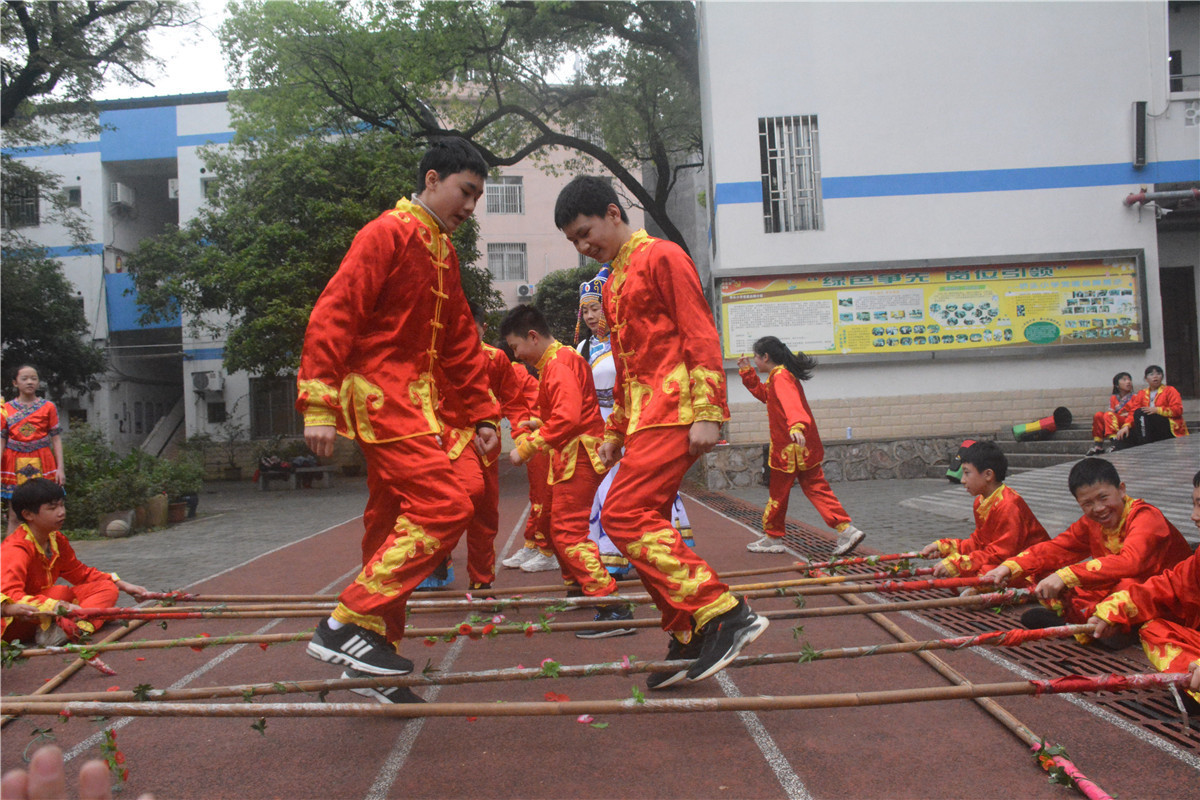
796,451
597,349
1108,427
32,438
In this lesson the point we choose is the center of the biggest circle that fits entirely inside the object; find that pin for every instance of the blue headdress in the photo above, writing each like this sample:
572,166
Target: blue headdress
590,290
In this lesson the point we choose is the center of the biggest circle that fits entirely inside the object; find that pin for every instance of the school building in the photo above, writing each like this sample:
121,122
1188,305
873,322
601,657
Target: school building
166,379
972,213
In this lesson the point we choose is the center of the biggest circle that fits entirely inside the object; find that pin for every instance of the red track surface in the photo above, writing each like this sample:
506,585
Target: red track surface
949,749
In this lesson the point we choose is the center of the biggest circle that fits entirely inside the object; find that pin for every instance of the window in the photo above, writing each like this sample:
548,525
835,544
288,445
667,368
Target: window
21,205
791,174
507,262
216,412
209,188
273,408
506,195
73,196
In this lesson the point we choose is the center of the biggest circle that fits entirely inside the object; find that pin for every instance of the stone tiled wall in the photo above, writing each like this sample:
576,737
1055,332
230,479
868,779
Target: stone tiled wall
921,416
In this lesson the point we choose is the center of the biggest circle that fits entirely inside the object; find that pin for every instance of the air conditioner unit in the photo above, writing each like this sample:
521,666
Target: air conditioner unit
207,381
121,195
525,291
172,188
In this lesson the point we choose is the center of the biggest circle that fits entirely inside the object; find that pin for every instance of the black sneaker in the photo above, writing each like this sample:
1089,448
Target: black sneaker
383,694
676,652
609,613
357,648
1041,617
724,638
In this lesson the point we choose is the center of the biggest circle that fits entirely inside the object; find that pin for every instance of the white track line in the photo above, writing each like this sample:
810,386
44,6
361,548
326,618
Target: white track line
776,760
398,756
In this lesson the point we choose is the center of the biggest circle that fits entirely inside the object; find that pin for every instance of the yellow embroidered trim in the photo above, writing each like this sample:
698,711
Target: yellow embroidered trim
1013,567
348,617
1069,577
1116,604
1112,537
379,577
989,502
726,602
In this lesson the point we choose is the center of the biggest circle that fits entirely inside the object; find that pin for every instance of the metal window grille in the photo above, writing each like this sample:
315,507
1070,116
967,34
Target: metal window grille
273,408
506,195
21,206
507,262
791,174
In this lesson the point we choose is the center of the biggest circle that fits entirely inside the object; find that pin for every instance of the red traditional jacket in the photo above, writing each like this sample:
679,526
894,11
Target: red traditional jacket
392,316
1143,544
664,341
569,412
1004,526
1124,416
505,386
1173,595
26,570
787,412
1168,403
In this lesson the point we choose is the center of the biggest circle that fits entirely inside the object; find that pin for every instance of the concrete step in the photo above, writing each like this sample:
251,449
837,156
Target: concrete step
1055,445
1039,460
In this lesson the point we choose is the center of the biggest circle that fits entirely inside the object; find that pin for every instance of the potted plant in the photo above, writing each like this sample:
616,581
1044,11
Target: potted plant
183,479
231,434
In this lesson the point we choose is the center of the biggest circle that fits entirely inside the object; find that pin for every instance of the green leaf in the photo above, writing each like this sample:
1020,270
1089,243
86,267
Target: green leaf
638,696
808,653
260,726
141,692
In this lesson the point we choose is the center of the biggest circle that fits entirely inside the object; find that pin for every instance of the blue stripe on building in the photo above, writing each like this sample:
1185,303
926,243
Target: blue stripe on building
54,150
199,139
204,354
992,180
134,134
123,307
66,251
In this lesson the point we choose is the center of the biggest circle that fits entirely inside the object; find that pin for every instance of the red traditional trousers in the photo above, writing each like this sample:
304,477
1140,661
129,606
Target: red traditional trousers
1104,426
537,526
637,518
1171,647
815,487
570,509
93,594
416,512
482,485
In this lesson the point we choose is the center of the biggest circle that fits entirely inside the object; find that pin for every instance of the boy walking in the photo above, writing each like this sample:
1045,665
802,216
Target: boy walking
668,406
35,556
1004,525
389,325
571,430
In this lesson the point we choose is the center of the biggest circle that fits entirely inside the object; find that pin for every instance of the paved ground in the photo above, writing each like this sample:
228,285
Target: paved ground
305,541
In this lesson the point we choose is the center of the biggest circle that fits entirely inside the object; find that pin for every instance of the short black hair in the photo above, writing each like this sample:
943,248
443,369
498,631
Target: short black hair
1154,368
1196,480
987,455
33,494
449,156
521,320
587,196
1091,471
477,312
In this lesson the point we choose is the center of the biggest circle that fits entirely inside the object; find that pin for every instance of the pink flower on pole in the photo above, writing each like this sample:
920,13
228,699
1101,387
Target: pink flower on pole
586,719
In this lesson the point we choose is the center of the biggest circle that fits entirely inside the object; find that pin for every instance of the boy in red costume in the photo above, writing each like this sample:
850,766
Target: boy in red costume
507,388
1004,525
389,325
570,429
668,406
1125,541
536,555
1167,607
34,557
1156,401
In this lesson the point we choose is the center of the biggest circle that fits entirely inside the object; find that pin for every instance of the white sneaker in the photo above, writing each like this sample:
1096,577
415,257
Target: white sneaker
540,563
766,544
848,538
519,558
53,636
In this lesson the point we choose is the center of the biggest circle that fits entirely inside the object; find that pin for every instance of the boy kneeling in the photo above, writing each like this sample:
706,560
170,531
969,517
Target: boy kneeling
1124,540
35,556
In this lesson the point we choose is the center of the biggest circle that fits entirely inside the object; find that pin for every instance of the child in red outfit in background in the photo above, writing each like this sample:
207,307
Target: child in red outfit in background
1124,541
1167,609
35,556
1156,412
796,451
1004,525
32,439
1109,427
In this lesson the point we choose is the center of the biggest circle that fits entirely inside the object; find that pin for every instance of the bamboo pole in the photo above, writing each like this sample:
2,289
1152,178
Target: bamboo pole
1035,742
1104,683
1013,638
77,664
1009,596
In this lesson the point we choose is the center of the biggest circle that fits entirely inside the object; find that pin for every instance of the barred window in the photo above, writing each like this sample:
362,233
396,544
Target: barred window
506,195
273,408
791,174
508,262
21,205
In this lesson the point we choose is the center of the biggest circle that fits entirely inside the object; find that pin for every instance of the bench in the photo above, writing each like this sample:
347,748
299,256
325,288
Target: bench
293,476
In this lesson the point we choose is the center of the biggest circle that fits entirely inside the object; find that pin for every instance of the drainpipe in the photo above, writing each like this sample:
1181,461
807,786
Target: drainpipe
1144,197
